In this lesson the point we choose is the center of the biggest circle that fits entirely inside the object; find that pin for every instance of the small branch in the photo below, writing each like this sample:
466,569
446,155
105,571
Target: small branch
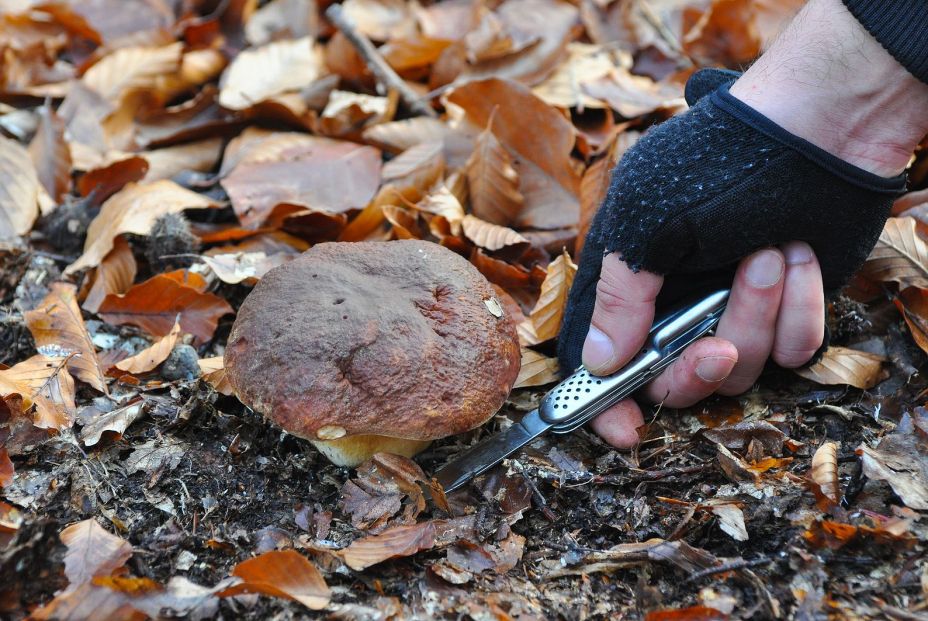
738,564
385,74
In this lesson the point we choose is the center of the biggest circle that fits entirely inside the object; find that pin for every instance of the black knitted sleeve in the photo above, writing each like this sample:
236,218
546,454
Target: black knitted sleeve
901,26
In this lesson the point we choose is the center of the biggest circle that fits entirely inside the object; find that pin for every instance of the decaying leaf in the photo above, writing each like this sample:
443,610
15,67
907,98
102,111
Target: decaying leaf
901,459
157,303
50,154
116,421
913,304
46,382
6,468
386,486
134,209
395,542
19,190
900,255
92,551
825,470
841,365
115,274
544,322
59,331
151,357
282,573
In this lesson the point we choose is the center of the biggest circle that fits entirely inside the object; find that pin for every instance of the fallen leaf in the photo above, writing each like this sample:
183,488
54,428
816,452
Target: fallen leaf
381,19
690,613
116,421
585,63
398,136
132,69
731,520
825,470
19,190
45,382
247,267
158,455
724,32
595,183
544,322
6,468
634,95
491,236
91,551
395,542
50,154
115,274
213,373
260,73
536,370
492,181
841,365
901,459
913,304
150,357
58,328
134,209
739,436
282,573
293,18
414,171
386,484
346,113
104,178
154,306
836,535
678,553
900,255
199,156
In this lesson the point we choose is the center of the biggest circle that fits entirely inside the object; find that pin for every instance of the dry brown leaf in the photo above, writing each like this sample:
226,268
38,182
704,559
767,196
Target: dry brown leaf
825,470
442,202
58,328
596,181
213,373
913,304
116,421
134,209
114,275
395,542
492,181
346,113
841,365
315,173
152,356
274,20
585,63
900,460
634,95
536,370
382,19
157,303
45,382
490,236
199,156
415,170
132,69
282,573
6,472
900,255
260,73
50,154
247,267
544,322
398,136
19,190
91,551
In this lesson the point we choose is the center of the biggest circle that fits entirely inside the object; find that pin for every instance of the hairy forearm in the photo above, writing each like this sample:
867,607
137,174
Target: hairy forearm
826,79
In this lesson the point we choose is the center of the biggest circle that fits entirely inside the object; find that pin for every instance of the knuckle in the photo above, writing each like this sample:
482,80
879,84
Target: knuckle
610,297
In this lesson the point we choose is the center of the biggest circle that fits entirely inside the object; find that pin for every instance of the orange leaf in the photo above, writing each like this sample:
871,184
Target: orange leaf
900,255
282,573
91,551
152,356
155,304
214,374
913,304
51,155
108,178
134,209
46,382
19,190
841,365
58,328
544,322
6,468
395,542
493,182
115,274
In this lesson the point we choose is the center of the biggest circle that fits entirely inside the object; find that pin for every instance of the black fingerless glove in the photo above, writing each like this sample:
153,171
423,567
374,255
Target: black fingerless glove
708,187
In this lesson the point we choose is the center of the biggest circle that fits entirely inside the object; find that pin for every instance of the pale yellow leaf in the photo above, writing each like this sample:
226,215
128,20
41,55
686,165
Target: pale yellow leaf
114,275
900,255
132,68
536,370
490,236
19,190
275,68
152,356
199,156
544,321
214,373
841,365
825,470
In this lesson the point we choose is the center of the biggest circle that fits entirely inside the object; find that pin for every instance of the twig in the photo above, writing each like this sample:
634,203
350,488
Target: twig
385,74
739,564
536,494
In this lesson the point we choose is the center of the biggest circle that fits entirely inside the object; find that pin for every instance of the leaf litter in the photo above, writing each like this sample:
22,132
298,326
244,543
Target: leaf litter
158,160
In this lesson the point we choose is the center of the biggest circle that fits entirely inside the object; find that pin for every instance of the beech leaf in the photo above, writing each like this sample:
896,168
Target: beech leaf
490,236
493,182
92,551
841,365
395,542
544,322
900,255
282,573
260,73
214,373
115,274
152,356
536,370
50,154
46,382
19,190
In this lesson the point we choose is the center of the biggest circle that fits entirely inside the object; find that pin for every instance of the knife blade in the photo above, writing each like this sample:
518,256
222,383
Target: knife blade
583,396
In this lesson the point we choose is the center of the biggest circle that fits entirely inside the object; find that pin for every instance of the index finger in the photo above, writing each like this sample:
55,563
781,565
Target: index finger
622,315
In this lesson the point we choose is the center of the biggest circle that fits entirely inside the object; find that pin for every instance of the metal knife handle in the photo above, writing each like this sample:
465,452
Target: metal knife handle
583,396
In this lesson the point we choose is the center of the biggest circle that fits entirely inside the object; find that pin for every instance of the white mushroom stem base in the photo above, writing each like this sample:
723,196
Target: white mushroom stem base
355,450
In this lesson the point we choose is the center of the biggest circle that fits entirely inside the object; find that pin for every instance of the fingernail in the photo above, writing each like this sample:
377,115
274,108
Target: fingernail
797,253
715,368
765,269
598,350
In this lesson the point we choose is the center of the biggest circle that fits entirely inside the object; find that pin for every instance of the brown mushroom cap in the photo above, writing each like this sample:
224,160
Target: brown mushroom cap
402,339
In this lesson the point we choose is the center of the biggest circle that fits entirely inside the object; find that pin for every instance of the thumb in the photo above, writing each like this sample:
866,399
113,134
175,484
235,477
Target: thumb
622,315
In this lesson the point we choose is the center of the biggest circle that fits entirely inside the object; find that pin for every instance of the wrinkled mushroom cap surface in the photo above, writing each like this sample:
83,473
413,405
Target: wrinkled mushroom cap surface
388,338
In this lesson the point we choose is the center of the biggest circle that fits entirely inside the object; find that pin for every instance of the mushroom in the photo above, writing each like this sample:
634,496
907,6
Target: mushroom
370,347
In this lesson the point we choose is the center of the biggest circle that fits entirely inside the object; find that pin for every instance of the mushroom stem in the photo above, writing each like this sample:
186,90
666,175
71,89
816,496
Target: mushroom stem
354,450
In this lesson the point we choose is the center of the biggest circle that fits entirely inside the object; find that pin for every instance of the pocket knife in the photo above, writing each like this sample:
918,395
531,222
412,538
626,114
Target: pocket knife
583,396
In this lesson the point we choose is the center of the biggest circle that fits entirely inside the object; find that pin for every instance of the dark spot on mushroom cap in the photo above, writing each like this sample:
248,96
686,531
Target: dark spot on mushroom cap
391,338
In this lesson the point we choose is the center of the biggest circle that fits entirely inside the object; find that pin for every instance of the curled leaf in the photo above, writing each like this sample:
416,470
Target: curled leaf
151,357
900,255
825,470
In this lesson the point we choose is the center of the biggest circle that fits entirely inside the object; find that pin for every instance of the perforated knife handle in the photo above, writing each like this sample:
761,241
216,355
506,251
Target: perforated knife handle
583,396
